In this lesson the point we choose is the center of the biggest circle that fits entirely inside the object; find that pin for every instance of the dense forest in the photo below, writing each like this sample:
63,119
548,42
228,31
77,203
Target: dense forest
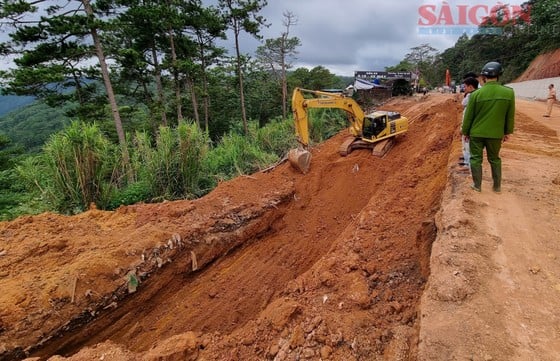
136,102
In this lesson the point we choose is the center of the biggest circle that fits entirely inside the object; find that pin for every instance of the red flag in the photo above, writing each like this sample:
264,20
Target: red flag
447,78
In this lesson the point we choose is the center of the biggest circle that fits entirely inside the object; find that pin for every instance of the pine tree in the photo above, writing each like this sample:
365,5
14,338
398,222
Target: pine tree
242,15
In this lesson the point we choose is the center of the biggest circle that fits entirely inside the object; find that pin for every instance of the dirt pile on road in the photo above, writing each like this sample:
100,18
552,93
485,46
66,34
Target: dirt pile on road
274,265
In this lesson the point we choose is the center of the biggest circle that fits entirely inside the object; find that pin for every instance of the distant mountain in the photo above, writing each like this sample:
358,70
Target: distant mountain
9,103
32,124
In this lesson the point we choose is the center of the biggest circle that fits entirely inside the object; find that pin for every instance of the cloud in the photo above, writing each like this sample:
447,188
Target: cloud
350,35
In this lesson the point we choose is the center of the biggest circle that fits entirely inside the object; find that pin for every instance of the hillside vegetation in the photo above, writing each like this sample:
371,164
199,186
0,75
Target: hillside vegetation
9,103
232,100
31,123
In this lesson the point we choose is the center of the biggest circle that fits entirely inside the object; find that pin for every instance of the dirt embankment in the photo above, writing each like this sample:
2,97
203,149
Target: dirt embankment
336,264
542,67
269,266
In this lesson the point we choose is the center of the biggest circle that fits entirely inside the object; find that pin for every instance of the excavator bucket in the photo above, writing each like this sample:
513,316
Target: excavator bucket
300,159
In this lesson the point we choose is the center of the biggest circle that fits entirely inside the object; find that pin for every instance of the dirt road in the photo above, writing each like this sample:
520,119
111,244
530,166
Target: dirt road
494,289
331,265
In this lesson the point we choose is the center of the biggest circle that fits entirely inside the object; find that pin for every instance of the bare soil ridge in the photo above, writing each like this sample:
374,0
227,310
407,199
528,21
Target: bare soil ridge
333,261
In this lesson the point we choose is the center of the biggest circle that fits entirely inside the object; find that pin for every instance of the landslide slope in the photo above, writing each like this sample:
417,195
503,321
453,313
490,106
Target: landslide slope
275,265
543,66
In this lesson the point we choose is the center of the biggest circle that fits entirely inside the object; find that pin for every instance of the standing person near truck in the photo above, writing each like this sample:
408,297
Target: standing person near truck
488,121
550,99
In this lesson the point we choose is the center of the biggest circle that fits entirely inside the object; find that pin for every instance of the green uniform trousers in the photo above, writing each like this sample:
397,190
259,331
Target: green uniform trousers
493,147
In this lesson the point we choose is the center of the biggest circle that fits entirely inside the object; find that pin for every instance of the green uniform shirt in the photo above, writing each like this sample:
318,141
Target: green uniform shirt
490,112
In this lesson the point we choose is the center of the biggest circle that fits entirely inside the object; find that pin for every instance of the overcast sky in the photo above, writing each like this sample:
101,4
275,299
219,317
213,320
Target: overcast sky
356,35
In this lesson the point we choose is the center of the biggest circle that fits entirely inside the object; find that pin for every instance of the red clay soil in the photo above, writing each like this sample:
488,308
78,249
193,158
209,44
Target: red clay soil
329,265
494,278
363,258
542,67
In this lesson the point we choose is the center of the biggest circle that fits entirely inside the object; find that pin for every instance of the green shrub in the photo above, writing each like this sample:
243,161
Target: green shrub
15,199
277,137
325,123
82,164
193,146
172,168
236,155
130,194
35,180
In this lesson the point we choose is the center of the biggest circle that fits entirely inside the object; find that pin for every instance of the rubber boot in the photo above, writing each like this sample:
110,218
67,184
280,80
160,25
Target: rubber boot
477,148
493,147
476,172
497,176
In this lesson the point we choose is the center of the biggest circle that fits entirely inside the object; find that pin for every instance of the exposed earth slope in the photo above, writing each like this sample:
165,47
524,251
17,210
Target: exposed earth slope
330,265
543,66
333,260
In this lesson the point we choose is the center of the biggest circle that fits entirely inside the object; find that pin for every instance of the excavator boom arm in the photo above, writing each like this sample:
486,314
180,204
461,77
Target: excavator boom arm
300,106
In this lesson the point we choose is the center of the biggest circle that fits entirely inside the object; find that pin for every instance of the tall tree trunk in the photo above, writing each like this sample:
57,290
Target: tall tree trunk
206,107
159,87
176,82
178,99
285,49
194,100
79,90
284,86
151,114
241,92
110,93
205,100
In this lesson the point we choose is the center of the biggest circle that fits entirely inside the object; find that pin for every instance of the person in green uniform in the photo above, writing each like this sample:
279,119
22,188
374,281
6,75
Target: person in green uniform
489,121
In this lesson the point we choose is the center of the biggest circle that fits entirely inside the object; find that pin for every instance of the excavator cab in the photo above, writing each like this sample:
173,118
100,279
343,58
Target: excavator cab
373,125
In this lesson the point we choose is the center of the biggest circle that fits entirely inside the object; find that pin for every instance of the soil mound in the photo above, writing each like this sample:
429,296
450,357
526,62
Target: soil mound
275,265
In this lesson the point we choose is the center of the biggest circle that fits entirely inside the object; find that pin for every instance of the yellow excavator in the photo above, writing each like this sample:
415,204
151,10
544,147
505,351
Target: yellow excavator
374,131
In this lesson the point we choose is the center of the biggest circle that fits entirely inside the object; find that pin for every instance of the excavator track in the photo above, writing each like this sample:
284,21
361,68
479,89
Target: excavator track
378,149
381,148
351,144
